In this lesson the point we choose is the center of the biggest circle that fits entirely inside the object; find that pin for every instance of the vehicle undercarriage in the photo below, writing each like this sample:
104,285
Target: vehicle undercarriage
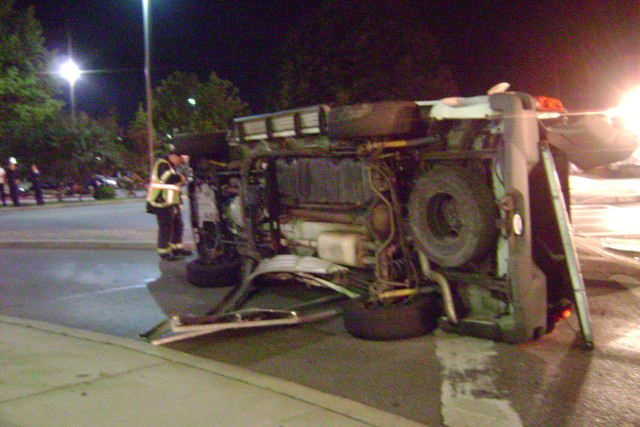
420,214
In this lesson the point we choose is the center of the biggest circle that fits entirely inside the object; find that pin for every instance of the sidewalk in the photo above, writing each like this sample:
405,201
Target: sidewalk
56,376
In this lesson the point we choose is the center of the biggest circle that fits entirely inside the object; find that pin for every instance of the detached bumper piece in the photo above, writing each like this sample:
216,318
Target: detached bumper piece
180,328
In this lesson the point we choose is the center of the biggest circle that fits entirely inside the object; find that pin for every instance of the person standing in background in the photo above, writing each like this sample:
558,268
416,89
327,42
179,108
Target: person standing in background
3,175
34,177
13,180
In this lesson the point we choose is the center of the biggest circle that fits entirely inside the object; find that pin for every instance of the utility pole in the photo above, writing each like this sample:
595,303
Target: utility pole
147,76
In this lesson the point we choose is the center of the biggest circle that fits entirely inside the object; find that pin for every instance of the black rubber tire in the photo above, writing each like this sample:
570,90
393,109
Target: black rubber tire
453,216
409,319
379,119
213,145
212,274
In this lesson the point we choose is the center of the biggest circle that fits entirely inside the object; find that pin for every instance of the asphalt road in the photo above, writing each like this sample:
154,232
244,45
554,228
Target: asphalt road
436,379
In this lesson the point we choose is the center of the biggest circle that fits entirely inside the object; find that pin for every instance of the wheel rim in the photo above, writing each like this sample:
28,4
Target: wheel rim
442,217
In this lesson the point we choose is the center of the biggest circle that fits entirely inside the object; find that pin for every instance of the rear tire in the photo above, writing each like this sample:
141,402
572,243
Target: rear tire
410,319
214,274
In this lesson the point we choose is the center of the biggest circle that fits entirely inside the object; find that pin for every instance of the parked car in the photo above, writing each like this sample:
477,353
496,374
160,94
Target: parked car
24,189
99,180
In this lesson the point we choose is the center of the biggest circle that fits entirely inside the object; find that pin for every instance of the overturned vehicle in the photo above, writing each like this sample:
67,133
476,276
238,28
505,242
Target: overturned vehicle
449,213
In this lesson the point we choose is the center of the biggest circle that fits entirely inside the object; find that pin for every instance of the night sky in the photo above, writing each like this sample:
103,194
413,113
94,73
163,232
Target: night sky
585,52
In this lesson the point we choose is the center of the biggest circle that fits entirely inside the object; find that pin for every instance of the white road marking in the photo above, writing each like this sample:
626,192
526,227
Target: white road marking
466,376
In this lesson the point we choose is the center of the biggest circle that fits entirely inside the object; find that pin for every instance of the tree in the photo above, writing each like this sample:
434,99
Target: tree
33,126
103,147
137,144
91,147
215,104
26,103
171,108
218,104
361,51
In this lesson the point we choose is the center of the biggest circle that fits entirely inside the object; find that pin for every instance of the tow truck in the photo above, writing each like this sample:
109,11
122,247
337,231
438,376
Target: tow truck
449,213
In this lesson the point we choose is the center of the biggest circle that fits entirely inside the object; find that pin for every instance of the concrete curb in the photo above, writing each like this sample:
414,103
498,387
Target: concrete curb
355,410
82,245
53,204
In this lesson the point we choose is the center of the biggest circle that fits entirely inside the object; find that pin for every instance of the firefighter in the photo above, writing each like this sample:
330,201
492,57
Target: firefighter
165,201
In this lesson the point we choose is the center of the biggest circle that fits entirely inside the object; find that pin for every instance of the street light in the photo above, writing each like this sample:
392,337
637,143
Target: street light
192,102
147,77
70,72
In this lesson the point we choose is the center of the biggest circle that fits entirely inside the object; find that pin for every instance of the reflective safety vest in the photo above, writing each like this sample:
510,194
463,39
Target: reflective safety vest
160,194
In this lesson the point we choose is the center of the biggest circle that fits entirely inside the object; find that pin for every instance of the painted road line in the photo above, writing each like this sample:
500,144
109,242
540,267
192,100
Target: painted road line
466,375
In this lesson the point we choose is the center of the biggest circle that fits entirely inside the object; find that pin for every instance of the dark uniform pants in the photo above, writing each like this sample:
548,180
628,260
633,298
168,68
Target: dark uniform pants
13,192
170,228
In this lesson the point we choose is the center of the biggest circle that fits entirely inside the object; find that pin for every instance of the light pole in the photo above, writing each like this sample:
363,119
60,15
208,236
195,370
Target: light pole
192,102
147,77
70,72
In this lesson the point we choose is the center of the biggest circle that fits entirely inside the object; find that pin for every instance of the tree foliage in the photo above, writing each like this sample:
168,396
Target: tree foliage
136,143
33,126
92,146
171,108
360,51
21,41
35,129
216,103
27,106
